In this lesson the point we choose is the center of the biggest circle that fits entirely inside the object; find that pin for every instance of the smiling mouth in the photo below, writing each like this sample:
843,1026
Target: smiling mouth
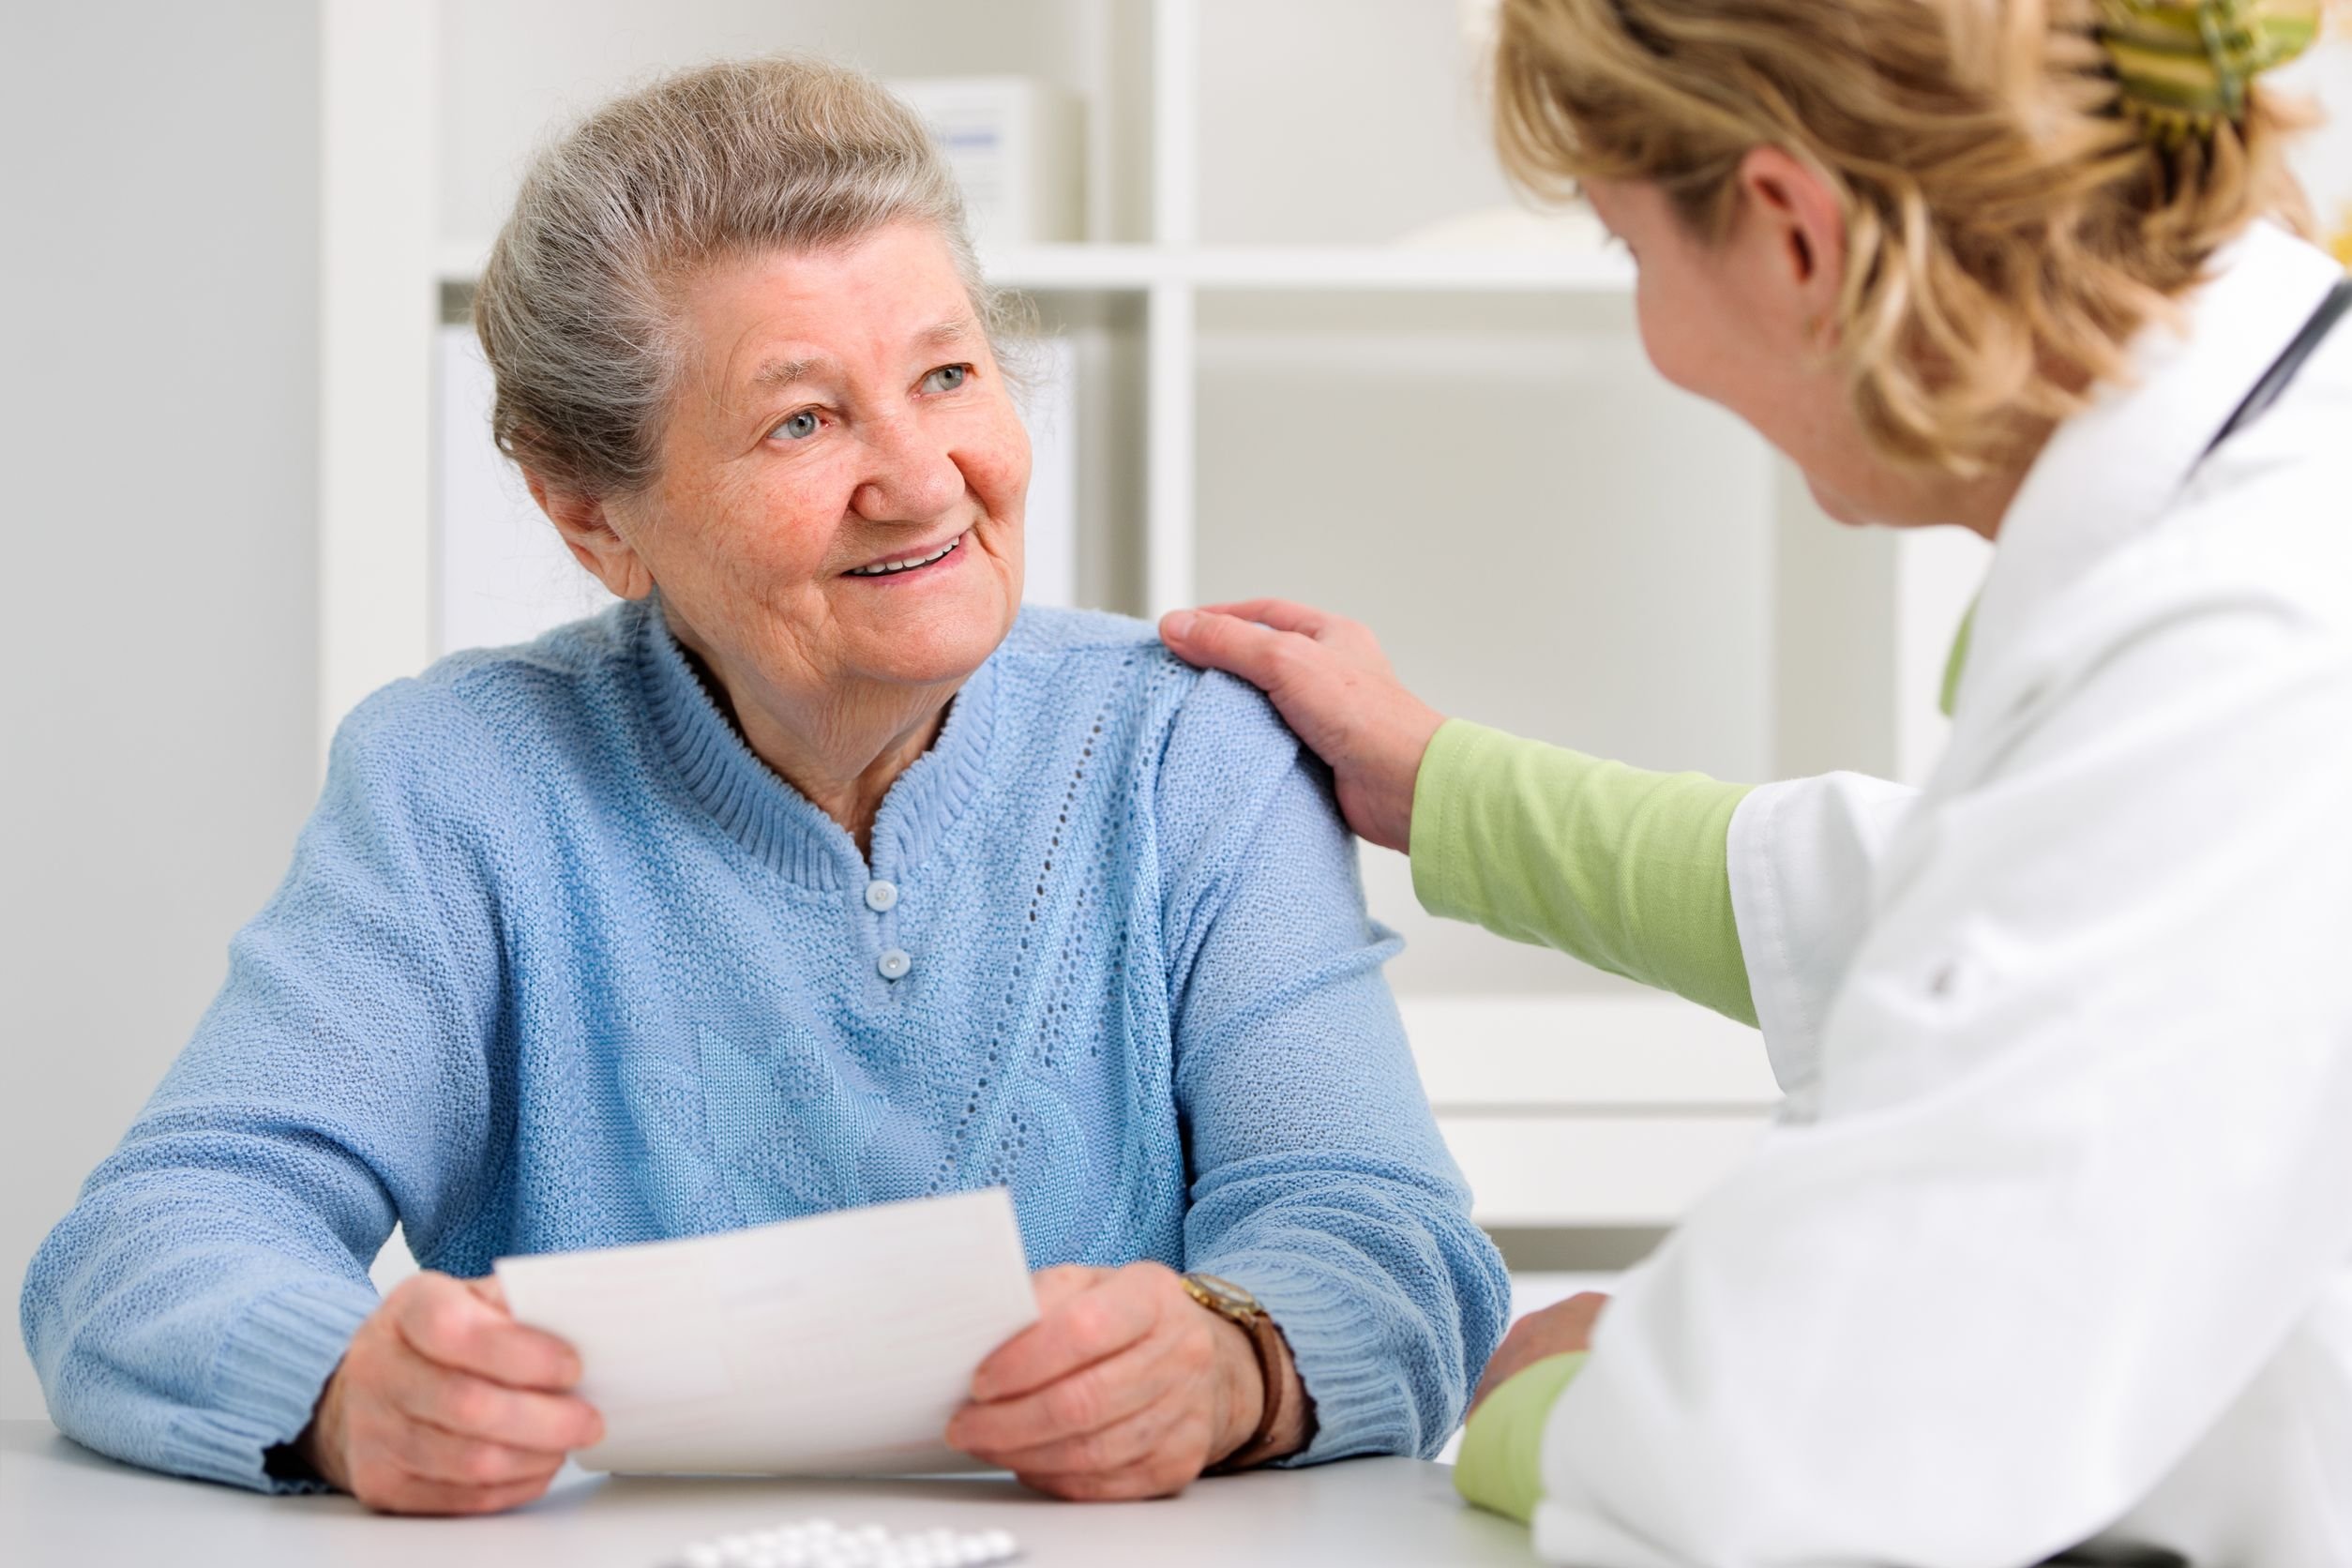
892,568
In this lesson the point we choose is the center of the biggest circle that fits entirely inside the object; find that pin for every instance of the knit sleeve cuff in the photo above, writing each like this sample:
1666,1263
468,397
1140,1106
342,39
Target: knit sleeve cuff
1344,1355
272,1364
1500,1465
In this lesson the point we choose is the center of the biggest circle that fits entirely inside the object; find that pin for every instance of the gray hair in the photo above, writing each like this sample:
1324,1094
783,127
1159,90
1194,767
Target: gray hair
576,308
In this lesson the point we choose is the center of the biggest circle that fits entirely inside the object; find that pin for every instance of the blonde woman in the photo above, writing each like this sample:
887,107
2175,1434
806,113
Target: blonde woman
2053,1242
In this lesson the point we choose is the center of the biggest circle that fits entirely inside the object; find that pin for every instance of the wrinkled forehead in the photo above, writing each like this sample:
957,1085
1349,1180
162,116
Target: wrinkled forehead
752,323
797,365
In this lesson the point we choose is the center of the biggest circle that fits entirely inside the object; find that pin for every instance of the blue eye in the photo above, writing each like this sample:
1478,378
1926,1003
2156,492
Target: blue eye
799,427
946,378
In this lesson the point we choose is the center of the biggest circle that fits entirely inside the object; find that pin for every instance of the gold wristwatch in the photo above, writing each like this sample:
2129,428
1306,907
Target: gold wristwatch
1237,1306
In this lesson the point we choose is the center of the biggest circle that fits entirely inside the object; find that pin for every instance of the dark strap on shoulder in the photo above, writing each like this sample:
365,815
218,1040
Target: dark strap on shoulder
2283,369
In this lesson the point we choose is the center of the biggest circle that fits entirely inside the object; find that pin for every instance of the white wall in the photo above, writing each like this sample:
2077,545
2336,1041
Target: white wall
158,654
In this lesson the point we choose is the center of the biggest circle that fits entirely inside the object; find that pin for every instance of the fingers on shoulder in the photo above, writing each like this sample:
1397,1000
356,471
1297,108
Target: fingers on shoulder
1281,615
1273,657
1236,645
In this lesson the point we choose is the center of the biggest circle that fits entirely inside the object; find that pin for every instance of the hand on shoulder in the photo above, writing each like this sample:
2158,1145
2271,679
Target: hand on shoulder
1328,678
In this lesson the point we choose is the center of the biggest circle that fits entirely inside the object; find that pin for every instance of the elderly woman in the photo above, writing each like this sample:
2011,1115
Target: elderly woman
815,874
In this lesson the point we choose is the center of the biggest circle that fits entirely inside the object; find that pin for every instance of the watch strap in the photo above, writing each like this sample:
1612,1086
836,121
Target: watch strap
1238,1307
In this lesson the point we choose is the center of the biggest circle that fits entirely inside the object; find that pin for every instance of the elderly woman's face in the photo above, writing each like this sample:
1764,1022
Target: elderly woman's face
842,477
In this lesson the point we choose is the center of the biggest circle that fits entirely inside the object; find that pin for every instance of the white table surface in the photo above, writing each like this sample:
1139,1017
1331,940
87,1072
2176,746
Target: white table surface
62,1506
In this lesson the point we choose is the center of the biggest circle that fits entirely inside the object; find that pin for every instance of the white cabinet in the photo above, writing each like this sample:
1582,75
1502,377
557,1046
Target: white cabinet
1291,380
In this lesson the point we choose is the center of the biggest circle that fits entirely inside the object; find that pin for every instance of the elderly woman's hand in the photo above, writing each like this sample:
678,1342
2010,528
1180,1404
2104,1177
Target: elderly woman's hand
445,1404
1332,685
1123,1388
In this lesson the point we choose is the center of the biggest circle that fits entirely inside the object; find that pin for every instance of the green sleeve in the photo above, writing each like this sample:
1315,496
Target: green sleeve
1500,1463
1628,870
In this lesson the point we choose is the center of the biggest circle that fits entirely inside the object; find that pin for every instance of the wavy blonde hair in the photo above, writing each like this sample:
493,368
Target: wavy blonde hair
2009,227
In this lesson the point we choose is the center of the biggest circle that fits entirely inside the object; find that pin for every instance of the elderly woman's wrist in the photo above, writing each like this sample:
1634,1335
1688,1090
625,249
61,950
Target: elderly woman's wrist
1250,1387
1241,1403
315,1448
1294,1427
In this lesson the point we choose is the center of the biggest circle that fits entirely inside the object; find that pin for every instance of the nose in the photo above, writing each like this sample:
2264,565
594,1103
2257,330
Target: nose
913,476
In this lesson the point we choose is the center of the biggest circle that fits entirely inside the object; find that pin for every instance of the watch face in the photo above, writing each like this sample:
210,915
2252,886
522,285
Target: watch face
1224,1293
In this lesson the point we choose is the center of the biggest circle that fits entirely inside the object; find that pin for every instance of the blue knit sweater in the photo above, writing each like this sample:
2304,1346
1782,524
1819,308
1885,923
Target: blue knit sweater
560,963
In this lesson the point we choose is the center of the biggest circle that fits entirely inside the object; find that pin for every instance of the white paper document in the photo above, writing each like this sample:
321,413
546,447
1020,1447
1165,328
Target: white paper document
835,1345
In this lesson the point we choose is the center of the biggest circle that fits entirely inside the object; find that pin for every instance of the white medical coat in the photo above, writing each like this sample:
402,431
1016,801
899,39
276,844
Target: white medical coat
2054,1234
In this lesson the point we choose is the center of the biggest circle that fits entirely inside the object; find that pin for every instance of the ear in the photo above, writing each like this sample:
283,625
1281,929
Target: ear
586,525
1792,222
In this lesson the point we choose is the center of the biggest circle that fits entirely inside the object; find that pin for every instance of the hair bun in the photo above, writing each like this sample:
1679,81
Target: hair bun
2185,65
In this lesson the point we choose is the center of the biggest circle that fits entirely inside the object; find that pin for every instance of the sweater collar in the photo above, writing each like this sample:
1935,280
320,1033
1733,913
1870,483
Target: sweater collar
778,824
